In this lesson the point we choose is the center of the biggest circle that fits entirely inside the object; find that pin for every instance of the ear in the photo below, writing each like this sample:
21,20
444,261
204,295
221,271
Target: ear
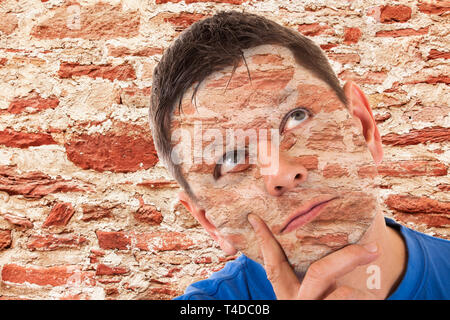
360,109
200,215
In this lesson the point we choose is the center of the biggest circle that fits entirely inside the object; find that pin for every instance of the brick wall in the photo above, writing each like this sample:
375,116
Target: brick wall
86,210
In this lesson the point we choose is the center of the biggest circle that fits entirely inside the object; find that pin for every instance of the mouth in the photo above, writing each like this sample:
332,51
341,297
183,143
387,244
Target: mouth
304,214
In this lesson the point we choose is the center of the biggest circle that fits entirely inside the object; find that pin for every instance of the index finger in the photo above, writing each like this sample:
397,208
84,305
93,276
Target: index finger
279,272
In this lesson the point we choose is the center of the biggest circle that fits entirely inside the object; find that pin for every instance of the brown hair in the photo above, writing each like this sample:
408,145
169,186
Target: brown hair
210,45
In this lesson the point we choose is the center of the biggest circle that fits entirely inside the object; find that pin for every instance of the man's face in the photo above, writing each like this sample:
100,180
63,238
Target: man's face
304,166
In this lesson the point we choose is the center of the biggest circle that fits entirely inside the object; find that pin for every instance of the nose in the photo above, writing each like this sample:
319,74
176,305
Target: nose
289,175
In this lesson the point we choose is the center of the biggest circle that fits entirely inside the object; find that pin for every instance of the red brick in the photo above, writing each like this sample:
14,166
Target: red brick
344,58
416,136
171,272
153,280
315,29
106,71
163,241
59,215
32,104
112,291
103,270
95,254
148,214
427,76
5,239
108,280
158,184
334,171
435,7
392,14
33,184
413,205
406,168
21,222
113,240
153,241
19,139
54,242
402,32
352,35
127,149
203,260
183,20
430,220
430,80
436,54
141,52
95,212
64,275
93,259
95,23
8,23
195,1
382,117
328,46
369,77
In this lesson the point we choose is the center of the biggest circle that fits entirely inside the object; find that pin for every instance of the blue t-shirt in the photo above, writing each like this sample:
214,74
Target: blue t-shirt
427,275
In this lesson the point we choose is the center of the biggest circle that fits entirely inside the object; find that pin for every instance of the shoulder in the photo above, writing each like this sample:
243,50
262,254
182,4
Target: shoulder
227,283
429,244
427,273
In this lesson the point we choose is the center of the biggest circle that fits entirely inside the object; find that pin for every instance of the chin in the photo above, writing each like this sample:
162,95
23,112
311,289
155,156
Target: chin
302,251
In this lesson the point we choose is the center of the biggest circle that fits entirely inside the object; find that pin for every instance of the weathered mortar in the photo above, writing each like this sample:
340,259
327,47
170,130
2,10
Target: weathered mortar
79,221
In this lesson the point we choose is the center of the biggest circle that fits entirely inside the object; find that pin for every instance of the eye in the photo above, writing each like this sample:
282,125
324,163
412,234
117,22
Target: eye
295,118
232,161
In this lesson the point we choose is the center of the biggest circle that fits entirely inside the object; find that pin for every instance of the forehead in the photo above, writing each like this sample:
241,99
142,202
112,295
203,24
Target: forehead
273,83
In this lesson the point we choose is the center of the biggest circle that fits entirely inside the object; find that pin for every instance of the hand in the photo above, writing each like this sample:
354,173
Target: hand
320,280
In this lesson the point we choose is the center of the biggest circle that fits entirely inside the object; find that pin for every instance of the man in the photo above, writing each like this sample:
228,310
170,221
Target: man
277,161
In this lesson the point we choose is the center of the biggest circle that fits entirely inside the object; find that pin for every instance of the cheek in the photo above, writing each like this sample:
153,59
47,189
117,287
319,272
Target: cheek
228,208
352,207
333,152
228,201
239,239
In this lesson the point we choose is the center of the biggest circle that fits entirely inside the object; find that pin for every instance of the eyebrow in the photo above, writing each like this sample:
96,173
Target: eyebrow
283,96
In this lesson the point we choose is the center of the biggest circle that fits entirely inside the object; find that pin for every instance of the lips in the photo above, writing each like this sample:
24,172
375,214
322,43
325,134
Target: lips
305,214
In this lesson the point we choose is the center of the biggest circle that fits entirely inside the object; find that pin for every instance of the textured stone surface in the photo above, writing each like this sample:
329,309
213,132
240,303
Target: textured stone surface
15,139
33,184
32,104
5,239
59,215
54,242
54,276
107,71
75,84
88,22
130,149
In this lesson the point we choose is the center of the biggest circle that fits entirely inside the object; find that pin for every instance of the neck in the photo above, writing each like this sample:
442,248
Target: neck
382,276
